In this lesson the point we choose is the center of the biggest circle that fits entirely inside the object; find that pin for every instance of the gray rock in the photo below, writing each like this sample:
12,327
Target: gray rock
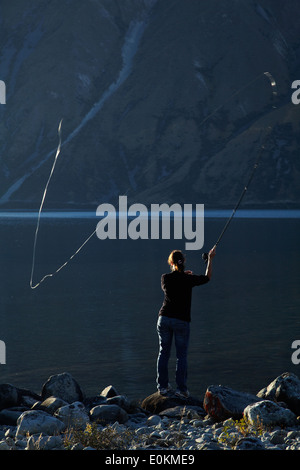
4,445
21,444
9,396
105,414
27,397
142,431
293,435
90,402
208,445
180,412
10,416
286,388
278,436
74,415
62,386
268,413
153,420
35,421
50,405
11,431
119,400
40,442
109,392
249,443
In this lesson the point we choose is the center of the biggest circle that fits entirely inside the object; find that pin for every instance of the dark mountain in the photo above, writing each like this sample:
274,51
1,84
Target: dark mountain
162,100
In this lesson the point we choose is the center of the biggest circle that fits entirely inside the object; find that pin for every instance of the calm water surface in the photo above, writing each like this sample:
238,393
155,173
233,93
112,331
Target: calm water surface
97,318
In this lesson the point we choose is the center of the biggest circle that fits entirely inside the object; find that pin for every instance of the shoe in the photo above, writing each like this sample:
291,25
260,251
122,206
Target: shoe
180,394
165,391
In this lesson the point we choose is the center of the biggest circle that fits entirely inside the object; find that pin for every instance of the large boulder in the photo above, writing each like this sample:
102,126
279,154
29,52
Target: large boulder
284,388
36,421
156,403
267,413
221,402
62,386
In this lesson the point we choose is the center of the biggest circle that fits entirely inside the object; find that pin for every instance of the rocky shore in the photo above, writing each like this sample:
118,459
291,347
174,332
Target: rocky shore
61,417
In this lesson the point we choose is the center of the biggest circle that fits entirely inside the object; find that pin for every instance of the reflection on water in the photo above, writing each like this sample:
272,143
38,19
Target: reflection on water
97,318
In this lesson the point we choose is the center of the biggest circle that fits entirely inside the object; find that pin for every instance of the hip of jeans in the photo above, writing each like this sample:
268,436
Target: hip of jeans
173,323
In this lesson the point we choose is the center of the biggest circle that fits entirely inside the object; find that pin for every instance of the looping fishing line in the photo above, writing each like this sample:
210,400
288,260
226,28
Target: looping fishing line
34,286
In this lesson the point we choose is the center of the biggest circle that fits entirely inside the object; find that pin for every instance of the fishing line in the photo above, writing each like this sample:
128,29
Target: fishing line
41,207
38,224
34,286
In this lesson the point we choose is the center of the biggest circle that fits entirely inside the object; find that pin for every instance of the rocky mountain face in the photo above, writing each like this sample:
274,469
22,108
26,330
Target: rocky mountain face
161,100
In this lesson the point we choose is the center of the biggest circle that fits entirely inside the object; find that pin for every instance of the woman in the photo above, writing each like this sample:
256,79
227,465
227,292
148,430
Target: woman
174,319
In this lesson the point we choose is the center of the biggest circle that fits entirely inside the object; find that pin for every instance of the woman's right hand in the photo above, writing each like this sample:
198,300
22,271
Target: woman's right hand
212,252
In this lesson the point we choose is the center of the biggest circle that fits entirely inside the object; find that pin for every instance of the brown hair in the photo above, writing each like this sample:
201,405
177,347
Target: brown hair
176,260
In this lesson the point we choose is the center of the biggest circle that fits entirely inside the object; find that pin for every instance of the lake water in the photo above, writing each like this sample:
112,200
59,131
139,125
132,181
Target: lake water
97,317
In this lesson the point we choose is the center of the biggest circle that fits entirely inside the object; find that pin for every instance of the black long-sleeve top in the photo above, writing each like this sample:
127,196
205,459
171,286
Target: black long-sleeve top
177,287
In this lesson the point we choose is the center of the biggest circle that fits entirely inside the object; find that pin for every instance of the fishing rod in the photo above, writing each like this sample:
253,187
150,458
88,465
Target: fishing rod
205,255
254,168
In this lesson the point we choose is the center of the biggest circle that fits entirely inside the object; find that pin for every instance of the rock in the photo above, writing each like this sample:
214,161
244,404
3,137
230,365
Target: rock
278,436
156,403
90,402
293,435
27,397
9,416
121,401
249,443
209,446
286,388
105,414
62,386
9,396
222,402
73,415
180,412
109,392
50,405
154,420
35,421
39,442
10,432
268,413
4,445
21,444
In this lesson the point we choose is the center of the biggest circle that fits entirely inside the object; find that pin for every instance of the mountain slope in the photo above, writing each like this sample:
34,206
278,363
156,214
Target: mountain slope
162,101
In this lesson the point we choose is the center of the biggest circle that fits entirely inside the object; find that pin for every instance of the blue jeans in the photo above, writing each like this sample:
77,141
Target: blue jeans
166,329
